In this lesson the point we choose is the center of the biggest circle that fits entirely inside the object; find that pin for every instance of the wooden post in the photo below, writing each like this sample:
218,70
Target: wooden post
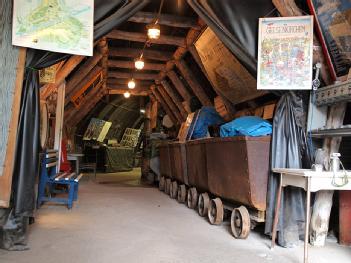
193,83
154,112
60,108
146,141
179,85
324,199
7,172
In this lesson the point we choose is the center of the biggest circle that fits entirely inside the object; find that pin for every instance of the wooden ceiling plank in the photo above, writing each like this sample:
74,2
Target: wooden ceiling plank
164,19
135,75
130,65
119,82
170,103
132,92
141,37
135,53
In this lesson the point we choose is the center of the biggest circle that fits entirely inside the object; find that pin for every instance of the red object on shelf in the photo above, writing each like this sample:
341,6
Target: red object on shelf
65,164
345,217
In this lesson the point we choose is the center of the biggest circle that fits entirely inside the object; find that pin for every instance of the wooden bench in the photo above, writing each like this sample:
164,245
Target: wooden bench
50,179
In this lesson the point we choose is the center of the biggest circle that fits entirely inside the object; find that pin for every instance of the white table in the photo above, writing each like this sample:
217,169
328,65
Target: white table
76,158
311,181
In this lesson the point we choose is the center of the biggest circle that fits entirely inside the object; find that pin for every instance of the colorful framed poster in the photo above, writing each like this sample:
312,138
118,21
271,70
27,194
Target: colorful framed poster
333,21
285,53
64,26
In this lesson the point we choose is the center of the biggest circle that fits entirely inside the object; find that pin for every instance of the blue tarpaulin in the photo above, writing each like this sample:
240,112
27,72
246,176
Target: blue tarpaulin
247,126
208,116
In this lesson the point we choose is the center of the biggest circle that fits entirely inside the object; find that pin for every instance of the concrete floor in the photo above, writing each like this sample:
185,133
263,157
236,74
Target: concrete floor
119,220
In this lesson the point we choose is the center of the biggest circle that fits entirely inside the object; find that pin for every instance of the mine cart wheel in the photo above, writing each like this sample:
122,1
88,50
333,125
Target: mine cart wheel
161,184
181,193
168,186
202,206
240,222
174,189
215,211
192,198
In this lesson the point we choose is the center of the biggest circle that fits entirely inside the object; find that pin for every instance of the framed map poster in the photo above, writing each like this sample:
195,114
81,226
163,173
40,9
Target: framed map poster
285,53
333,20
64,26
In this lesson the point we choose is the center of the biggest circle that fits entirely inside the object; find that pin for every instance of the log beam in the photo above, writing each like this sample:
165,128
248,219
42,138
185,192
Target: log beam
66,69
133,92
165,106
82,72
164,19
130,65
170,103
135,53
92,74
138,75
193,83
124,82
175,97
179,85
141,37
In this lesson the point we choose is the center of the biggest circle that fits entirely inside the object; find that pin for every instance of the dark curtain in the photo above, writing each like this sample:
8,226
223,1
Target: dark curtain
289,150
107,15
235,22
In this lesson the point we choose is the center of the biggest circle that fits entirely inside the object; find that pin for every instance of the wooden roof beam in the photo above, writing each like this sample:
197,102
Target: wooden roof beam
165,106
170,103
141,37
164,19
193,83
135,75
124,82
135,53
82,72
179,85
130,65
174,96
133,92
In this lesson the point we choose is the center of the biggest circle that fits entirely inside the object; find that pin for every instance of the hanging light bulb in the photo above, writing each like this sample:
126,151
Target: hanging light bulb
131,84
153,31
126,94
139,63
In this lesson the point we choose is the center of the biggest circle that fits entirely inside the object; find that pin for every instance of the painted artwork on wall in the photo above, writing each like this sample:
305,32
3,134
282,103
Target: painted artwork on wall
64,26
333,20
285,53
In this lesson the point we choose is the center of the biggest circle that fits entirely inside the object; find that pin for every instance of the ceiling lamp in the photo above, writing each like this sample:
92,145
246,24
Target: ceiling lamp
153,31
126,94
131,84
139,63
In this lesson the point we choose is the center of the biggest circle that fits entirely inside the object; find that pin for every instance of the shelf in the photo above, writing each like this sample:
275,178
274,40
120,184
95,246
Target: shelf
343,131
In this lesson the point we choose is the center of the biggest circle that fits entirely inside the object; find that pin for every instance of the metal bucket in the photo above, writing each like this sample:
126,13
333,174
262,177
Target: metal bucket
238,169
165,161
178,162
196,164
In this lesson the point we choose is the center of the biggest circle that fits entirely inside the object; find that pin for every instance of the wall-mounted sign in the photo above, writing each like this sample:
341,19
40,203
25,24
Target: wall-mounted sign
333,20
285,52
48,75
64,26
